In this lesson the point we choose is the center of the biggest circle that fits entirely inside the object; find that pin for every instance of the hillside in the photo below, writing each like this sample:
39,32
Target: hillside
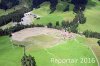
45,44
92,13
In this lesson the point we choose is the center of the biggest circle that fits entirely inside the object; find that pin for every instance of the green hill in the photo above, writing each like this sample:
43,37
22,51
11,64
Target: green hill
70,49
92,13
93,18
74,48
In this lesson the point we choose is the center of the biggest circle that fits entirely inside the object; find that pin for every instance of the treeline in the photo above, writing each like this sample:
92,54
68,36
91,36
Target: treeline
91,34
53,3
79,5
70,26
16,28
7,4
14,16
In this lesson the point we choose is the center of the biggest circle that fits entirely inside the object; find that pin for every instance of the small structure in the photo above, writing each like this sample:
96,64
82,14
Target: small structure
28,19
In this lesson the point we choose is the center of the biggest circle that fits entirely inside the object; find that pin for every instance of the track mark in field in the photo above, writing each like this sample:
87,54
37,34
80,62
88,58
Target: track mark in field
91,50
50,53
63,42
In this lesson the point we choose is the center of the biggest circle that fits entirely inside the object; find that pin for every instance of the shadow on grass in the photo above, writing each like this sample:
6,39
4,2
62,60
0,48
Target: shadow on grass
61,6
91,4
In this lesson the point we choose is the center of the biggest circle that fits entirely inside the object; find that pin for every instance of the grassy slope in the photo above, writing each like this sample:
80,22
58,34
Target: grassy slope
67,49
92,13
7,26
17,7
3,12
93,18
8,55
58,15
11,57
92,42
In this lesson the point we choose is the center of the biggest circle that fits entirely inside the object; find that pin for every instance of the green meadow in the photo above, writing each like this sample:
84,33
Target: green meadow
93,18
58,15
69,49
92,13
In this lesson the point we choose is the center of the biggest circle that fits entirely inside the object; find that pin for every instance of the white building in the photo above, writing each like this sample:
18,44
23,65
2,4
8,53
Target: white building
28,18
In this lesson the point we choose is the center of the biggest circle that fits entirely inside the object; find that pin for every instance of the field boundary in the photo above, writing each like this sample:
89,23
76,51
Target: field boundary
92,53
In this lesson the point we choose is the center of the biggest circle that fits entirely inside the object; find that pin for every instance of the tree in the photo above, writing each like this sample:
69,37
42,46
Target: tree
82,18
73,28
87,33
98,42
7,4
79,18
57,23
49,25
65,25
66,9
91,34
79,5
28,61
53,4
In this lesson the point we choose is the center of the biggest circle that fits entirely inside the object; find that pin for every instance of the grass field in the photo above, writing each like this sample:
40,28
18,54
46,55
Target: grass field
58,15
69,49
9,56
3,12
92,14
93,17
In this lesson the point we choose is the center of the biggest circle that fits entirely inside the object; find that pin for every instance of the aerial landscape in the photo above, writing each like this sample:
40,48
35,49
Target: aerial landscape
49,32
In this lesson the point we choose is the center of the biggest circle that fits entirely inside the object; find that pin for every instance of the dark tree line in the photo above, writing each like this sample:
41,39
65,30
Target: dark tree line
56,26
14,16
79,5
70,26
16,28
5,19
53,3
66,25
7,4
91,34
80,18
50,25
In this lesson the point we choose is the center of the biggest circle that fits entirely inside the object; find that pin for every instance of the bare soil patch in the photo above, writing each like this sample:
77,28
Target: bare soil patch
41,36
